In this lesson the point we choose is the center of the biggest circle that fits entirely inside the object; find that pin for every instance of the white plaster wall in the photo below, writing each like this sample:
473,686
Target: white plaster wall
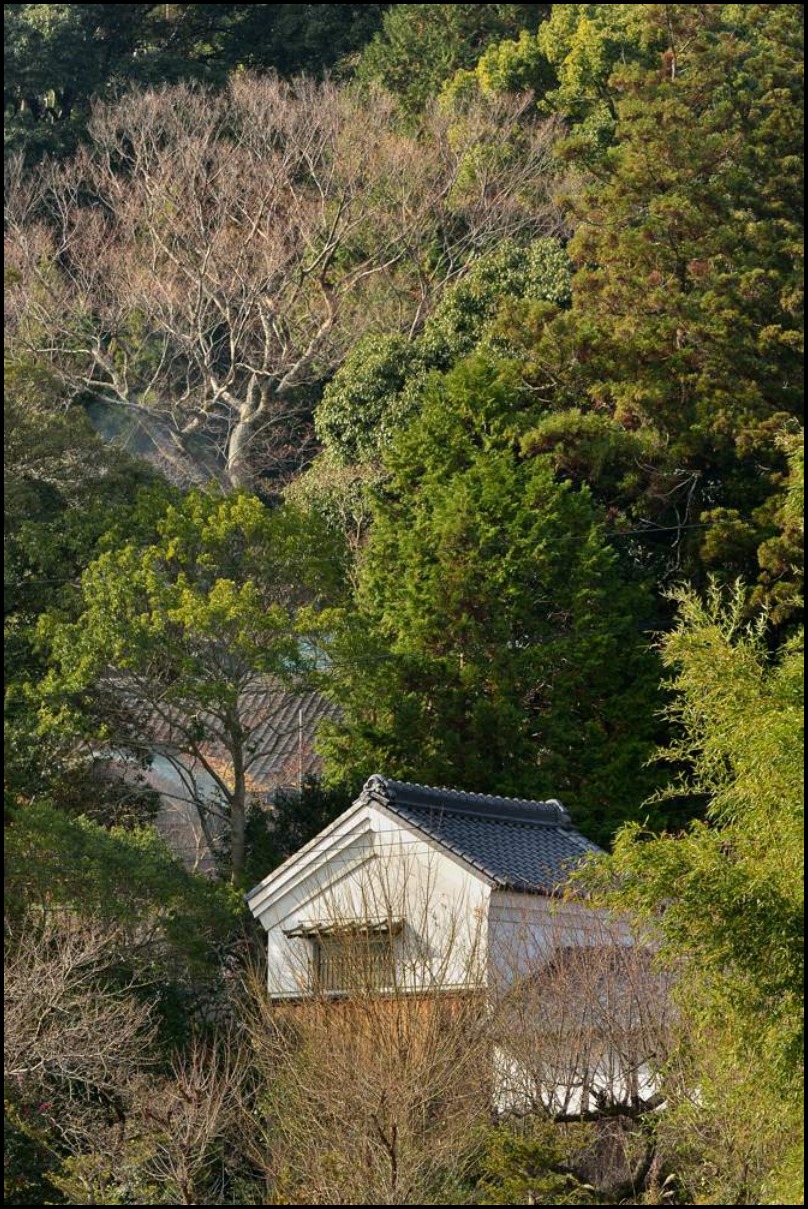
525,929
368,866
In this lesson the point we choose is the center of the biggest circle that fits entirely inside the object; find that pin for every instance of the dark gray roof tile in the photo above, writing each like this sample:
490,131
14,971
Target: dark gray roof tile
518,844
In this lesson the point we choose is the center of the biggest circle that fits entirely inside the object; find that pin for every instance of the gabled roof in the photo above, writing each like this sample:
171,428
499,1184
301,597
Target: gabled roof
518,844
280,725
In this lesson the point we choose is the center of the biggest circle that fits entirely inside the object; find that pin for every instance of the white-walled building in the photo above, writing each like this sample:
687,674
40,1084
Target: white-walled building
419,890
461,885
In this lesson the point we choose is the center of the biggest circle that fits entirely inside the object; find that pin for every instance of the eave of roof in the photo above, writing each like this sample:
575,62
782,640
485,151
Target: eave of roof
426,808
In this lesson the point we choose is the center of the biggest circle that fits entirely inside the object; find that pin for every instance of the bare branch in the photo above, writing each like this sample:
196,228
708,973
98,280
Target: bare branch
211,254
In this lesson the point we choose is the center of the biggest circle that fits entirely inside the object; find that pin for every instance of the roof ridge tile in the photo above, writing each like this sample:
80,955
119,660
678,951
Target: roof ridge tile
517,843
409,793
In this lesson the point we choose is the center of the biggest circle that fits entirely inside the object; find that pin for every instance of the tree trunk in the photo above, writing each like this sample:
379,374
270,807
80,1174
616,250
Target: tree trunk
240,470
238,821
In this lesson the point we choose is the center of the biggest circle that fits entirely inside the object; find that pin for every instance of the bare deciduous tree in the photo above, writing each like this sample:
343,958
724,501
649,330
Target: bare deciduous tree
385,1075
190,1120
584,1025
209,256
79,1048
76,1036
385,1082
583,1032
370,1099
60,1023
376,1079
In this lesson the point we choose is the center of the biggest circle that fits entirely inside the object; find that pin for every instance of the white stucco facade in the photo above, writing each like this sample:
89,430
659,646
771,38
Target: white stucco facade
367,868
571,1003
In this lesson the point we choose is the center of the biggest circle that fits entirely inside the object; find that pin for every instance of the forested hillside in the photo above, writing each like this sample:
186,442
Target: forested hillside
445,360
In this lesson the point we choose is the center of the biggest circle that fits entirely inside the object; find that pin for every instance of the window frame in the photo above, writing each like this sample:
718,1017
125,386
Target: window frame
353,957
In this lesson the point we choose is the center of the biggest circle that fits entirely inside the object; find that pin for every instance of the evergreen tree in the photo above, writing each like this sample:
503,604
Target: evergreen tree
723,904
421,45
687,301
497,641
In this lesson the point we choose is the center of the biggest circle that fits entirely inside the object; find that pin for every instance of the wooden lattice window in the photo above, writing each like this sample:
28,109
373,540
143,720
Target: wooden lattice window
353,959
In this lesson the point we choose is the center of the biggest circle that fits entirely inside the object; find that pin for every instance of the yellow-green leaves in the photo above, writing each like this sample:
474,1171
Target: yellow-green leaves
724,899
179,641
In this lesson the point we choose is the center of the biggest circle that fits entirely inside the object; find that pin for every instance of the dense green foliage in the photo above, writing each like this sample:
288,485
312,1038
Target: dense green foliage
685,330
420,45
527,280
59,58
489,613
725,901
378,388
569,65
126,878
695,276
174,637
